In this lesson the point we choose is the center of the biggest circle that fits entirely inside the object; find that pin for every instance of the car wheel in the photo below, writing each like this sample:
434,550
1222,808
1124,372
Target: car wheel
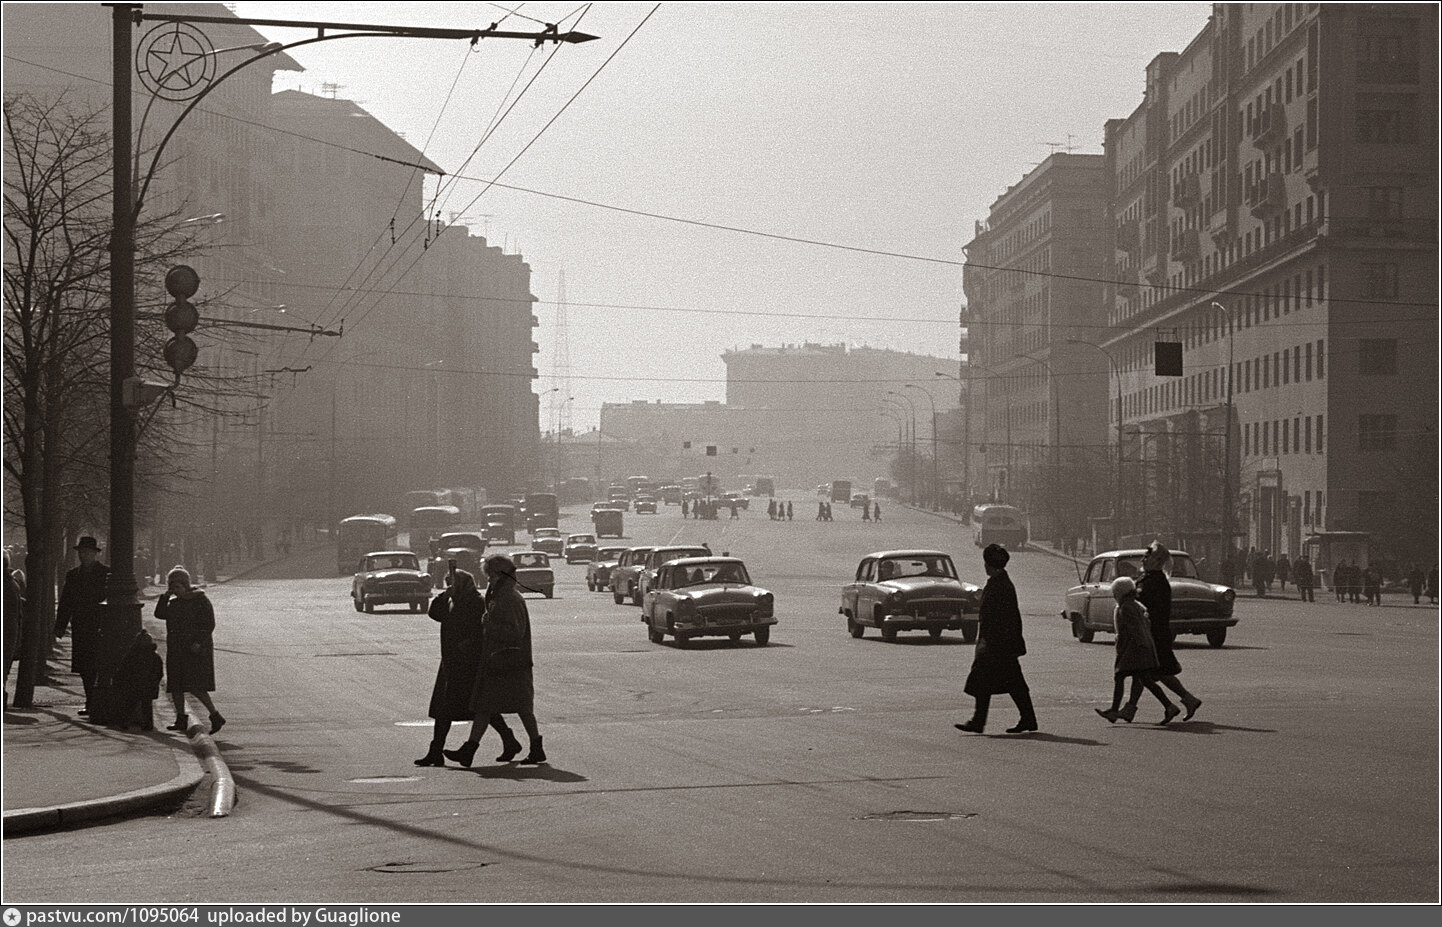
617,597
591,585
857,630
1218,637
367,605
656,636
935,633
888,635
735,636
356,602
636,596
763,635
550,592
683,641
968,632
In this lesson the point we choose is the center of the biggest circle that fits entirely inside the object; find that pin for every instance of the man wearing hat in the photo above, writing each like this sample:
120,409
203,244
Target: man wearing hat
82,608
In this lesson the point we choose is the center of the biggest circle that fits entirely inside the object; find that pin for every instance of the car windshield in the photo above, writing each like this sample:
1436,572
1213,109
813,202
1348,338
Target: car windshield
461,540
581,539
610,553
393,562
712,573
900,567
531,560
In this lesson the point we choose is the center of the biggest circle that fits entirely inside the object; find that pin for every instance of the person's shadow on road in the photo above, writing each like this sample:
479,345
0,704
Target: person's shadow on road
519,773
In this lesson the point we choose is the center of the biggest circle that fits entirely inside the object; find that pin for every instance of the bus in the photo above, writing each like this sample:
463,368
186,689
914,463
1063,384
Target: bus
841,491
999,524
882,488
430,521
358,535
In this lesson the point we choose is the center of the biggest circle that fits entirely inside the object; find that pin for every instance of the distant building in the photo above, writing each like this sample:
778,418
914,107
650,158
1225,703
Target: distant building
805,414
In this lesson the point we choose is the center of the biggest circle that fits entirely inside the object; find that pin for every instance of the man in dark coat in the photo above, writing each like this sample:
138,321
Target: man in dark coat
1302,576
996,667
82,609
14,619
1155,593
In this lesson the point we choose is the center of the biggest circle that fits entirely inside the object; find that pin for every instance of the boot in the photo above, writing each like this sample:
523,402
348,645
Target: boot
976,724
181,724
510,747
1028,714
537,754
464,754
435,756
216,722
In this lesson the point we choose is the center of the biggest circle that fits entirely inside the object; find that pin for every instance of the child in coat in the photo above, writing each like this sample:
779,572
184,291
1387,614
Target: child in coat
137,684
1136,654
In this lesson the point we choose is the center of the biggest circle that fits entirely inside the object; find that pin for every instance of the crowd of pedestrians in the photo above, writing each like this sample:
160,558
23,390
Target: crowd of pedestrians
1351,582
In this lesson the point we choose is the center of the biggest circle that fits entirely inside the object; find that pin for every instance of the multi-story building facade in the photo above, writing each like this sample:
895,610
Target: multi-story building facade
1273,212
804,414
1034,312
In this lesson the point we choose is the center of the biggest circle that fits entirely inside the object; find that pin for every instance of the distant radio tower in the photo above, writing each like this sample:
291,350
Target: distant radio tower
561,363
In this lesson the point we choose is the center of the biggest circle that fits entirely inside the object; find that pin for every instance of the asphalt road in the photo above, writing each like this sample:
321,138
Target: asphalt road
818,768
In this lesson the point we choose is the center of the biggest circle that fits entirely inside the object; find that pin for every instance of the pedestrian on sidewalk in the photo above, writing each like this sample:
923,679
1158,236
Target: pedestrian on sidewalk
1372,584
1432,585
14,619
1284,573
189,647
1302,576
459,610
82,609
1136,654
1155,594
996,665
504,681
1415,584
876,512
789,511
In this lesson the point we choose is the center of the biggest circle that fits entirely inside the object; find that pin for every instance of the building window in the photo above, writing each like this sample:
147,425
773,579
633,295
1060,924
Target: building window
1387,50
1379,280
1297,364
1286,438
1377,357
1297,435
1383,202
1386,118
1306,506
1321,362
1376,432
1308,347
1308,433
1321,449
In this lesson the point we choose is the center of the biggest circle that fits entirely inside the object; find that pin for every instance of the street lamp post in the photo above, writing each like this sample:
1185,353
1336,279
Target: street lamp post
1227,502
912,406
1117,498
935,484
122,618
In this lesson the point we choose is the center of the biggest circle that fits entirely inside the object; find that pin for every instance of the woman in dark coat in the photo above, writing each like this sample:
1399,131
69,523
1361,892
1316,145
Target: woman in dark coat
996,667
504,683
189,651
459,610
1136,653
1155,594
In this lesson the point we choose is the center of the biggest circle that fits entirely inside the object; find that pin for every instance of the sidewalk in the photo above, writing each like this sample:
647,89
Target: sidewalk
61,770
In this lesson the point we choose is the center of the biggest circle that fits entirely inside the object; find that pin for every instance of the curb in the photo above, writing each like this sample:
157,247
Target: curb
28,820
222,789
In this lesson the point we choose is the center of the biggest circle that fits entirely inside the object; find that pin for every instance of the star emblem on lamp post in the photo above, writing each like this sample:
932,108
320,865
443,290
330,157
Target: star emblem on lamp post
175,61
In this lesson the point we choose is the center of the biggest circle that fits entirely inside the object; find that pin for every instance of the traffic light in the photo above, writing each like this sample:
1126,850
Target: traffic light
181,282
1167,360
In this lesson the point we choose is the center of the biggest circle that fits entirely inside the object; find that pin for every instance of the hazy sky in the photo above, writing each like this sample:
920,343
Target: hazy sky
876,127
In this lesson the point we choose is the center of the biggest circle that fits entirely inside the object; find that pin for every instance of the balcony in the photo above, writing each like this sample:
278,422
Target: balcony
1128,237
1267,195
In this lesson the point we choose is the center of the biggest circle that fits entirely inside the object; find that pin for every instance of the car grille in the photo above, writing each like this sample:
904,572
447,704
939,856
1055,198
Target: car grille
932,608
1183,609
405,587
727,614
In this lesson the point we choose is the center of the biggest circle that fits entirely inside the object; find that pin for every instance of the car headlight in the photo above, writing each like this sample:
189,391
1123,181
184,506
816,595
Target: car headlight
765,602
685,605
1227,596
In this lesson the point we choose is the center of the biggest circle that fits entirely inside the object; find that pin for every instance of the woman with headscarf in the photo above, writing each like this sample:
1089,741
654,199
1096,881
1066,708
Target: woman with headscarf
504,683
189,651
1136,654
459,610
1154,592
996,666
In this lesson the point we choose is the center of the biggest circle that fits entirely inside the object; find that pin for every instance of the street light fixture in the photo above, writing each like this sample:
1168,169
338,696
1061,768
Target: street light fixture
912,406
935,485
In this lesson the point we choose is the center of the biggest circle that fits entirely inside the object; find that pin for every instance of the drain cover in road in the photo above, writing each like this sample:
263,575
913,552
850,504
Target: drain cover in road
918,817
403,868
381,780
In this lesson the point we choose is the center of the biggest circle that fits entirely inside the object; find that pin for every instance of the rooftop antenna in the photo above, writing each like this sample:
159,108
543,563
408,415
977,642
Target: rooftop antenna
330,90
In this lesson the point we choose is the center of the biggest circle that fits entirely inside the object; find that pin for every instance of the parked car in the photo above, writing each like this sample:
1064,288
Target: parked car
645,505
706,597
1198,607
910,590
659,556
580,547
465,547
598,571
549,540
390,577
609,522
534,573
625,572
